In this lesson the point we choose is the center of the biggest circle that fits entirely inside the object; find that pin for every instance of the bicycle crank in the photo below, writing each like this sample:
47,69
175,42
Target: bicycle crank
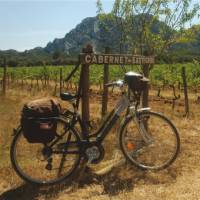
94,153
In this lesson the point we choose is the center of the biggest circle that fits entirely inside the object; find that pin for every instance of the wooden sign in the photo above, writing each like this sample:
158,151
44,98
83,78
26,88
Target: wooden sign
116,59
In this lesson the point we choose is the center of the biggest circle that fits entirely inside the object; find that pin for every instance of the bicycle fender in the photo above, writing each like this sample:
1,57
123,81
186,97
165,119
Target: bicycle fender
144,109
125,118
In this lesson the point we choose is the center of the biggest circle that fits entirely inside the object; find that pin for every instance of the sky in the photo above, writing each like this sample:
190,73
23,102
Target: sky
26,24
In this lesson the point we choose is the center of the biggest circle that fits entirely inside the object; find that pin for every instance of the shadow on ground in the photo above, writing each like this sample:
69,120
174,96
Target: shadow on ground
114,182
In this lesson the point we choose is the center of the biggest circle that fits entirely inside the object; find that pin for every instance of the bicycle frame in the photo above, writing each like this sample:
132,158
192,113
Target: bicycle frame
103,130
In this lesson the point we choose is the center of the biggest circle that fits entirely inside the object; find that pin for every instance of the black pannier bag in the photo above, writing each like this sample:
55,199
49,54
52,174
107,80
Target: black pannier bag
38,120
136,81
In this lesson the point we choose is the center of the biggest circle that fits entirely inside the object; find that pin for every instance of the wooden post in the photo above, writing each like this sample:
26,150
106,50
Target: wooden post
146,69
85,91
105,88
61,80
145,95
185,92
7,80
4,76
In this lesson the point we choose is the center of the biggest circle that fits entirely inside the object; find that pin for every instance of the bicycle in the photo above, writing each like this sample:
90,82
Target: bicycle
148,139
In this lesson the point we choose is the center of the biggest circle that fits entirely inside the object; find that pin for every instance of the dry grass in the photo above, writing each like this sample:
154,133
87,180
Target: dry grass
179,181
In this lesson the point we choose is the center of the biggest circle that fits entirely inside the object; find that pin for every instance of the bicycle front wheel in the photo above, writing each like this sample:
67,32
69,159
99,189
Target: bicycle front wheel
158,150
45,164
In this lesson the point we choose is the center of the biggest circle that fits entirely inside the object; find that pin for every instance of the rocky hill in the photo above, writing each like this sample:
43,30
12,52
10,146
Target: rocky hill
92,31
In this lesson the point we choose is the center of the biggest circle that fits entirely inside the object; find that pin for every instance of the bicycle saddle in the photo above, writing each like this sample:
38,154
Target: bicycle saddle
67,96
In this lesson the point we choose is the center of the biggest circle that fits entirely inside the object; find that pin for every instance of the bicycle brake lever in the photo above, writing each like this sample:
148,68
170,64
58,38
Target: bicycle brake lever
118,83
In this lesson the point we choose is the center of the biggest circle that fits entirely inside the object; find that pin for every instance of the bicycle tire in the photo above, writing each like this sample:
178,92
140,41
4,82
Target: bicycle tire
26,166
139,153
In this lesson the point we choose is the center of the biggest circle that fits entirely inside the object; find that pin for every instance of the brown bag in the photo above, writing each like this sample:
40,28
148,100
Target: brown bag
38,120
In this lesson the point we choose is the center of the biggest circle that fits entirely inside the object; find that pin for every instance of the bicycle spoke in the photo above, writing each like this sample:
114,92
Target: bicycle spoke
63,156
41,164
160,141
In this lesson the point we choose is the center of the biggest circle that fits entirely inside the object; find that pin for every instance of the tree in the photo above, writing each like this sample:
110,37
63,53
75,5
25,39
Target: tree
99,6
150,27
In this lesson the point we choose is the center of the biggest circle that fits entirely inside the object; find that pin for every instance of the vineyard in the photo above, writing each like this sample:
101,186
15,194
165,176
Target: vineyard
163,74
52,79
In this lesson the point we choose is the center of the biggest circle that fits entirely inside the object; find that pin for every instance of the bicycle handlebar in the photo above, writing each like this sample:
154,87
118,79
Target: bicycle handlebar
118,83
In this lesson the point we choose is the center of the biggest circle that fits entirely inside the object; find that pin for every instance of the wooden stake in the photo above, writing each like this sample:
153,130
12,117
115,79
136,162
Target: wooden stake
105,88
185,92
4,76
61,80
145,95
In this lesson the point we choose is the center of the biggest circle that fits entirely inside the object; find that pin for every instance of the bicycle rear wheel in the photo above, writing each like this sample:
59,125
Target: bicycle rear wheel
44,165
163,141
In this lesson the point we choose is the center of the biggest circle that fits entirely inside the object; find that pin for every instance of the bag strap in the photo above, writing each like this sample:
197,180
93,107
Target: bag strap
55,106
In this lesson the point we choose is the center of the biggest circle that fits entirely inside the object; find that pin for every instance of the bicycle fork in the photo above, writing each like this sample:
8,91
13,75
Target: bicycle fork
142,127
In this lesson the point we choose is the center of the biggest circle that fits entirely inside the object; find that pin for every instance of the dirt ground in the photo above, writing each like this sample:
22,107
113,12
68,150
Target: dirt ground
179,181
